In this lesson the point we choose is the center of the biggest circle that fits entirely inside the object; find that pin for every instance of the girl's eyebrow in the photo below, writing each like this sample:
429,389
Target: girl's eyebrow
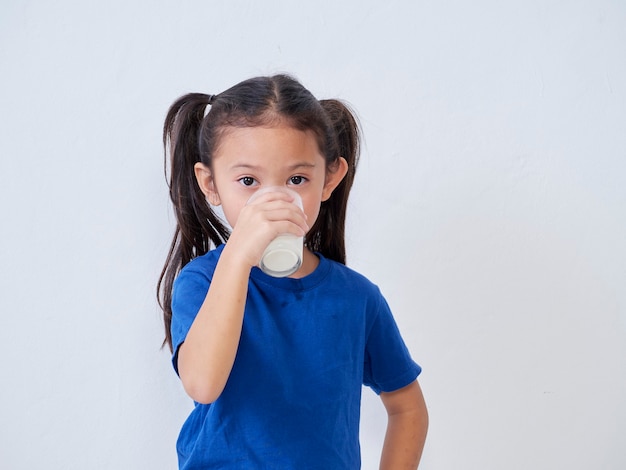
248,166
297,166
244,166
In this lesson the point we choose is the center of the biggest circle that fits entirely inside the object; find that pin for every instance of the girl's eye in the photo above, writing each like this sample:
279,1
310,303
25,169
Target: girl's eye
296,180
247,180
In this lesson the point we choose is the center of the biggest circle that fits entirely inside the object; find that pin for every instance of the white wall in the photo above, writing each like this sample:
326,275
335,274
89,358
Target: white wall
489,206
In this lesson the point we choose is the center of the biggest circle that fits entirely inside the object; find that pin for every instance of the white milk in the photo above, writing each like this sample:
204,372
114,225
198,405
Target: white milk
283,256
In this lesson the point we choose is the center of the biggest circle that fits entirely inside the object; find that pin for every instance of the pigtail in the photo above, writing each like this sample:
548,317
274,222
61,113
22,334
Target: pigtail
197,227
328,234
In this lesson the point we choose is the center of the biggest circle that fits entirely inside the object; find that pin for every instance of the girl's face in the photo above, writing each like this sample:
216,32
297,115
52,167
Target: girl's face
250,158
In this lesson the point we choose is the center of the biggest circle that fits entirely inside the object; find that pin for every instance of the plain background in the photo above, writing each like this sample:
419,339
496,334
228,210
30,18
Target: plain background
489,206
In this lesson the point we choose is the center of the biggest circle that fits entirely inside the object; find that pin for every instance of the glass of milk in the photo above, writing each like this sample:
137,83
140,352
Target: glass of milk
283,256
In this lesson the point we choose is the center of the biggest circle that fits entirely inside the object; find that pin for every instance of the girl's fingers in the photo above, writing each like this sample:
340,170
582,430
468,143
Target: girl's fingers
260,222
273,211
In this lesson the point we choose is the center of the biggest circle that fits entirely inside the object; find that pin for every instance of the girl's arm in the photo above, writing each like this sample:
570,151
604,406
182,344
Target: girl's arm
406,428
207,356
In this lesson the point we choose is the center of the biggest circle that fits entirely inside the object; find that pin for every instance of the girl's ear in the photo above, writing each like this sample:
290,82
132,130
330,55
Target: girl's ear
334,175
204,177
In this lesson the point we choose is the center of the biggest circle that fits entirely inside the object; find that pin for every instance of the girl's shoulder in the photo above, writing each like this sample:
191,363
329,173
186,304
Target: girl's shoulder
328,275
203,265
353,281
350,273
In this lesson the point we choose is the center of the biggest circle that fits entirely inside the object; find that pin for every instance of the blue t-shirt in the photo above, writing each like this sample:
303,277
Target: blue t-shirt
293,398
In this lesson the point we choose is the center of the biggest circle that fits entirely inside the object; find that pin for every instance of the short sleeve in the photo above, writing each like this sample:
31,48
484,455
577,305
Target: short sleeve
388,364
189,292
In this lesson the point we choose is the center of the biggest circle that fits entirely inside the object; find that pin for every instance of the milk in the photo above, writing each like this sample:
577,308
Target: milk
283,256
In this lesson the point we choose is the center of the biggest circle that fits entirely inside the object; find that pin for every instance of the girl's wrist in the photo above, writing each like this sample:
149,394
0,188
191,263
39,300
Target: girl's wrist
235,259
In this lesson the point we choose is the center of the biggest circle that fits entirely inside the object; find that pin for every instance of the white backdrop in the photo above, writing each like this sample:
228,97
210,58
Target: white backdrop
490,206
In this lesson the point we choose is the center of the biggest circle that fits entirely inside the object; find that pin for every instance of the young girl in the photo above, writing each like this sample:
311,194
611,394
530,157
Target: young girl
275,366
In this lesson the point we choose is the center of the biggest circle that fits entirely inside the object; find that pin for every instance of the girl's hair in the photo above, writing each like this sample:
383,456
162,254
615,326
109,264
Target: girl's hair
190,135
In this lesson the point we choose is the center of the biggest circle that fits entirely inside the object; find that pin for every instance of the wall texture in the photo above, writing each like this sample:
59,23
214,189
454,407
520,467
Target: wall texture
489,206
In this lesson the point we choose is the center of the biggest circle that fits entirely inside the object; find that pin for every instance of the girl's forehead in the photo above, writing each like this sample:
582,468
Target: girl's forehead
261,140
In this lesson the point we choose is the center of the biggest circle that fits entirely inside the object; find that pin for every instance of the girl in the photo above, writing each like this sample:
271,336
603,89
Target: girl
275,366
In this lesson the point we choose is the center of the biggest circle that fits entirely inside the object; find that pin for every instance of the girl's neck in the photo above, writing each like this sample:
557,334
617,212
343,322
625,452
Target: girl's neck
310,261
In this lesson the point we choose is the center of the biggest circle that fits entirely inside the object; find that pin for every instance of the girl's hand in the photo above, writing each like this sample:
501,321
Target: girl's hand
262,220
